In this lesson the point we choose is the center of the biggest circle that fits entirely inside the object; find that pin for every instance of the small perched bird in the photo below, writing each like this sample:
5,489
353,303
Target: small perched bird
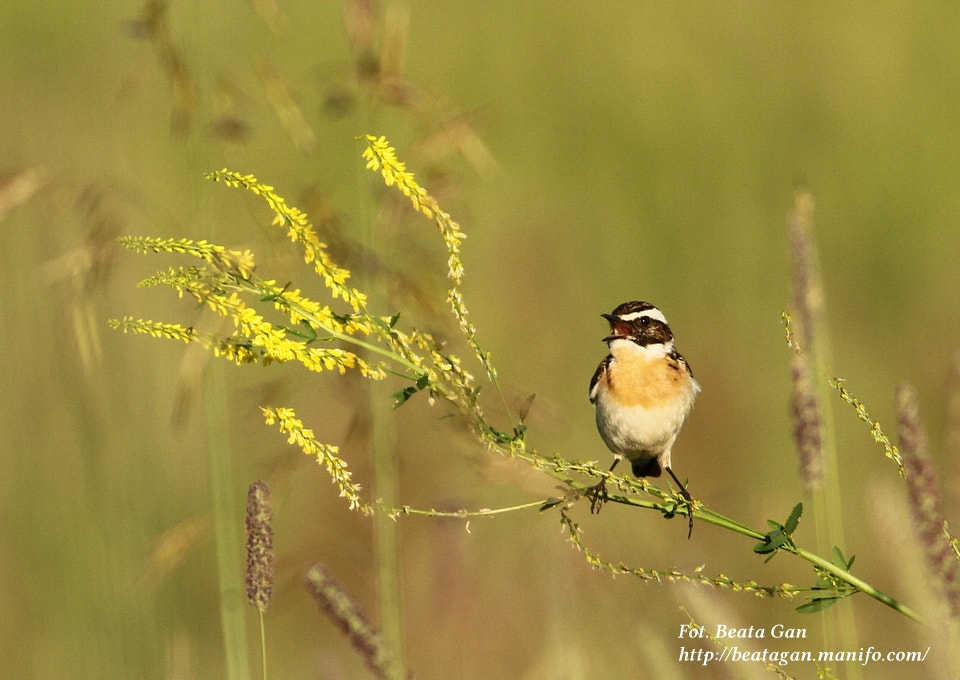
643,391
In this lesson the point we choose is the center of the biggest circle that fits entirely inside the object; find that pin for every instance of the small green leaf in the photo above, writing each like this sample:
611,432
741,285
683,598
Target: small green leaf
794,519
778,540
276,296
401,397
823,583
840,560
308,335
551,503
773,540
779,534
525,409
817,604
764,547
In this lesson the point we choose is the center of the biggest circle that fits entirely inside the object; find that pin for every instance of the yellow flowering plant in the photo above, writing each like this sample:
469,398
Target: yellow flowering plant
227,283
323,339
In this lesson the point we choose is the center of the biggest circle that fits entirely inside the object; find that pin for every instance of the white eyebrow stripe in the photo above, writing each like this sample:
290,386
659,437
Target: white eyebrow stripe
650,313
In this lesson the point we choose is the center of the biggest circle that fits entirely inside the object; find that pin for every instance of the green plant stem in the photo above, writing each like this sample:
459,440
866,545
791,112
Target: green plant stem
857,583
263,647
369,346
386,465
711,517
459,514
226,510
674,503
259,287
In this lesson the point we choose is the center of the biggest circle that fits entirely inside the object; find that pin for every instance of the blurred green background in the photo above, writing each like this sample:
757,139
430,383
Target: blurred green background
594,153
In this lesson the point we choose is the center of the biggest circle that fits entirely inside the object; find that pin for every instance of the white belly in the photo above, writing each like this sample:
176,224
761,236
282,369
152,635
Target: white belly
641,433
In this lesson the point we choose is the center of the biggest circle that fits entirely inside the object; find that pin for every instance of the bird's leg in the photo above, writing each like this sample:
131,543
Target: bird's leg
686,495
598,492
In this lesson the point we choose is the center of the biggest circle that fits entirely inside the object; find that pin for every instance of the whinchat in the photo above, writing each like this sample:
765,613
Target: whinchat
643,390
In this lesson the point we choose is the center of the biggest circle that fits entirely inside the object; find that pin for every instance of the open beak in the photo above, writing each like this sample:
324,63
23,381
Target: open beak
618,329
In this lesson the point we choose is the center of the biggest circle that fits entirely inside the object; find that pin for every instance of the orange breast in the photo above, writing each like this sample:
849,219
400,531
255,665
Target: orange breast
648,383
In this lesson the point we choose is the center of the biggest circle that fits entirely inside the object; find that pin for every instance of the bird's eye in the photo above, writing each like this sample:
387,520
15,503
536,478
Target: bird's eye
644,320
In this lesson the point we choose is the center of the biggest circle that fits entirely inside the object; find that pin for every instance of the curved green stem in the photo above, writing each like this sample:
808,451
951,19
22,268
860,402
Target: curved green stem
857,583
462,514
672,503
711,517
814,559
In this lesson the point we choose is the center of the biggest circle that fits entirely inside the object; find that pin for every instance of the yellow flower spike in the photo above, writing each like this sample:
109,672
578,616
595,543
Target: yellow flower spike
300,231
227,281
381,156
326,454
156,329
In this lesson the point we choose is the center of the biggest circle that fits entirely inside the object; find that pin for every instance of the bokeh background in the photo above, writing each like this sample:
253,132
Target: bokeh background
594,153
